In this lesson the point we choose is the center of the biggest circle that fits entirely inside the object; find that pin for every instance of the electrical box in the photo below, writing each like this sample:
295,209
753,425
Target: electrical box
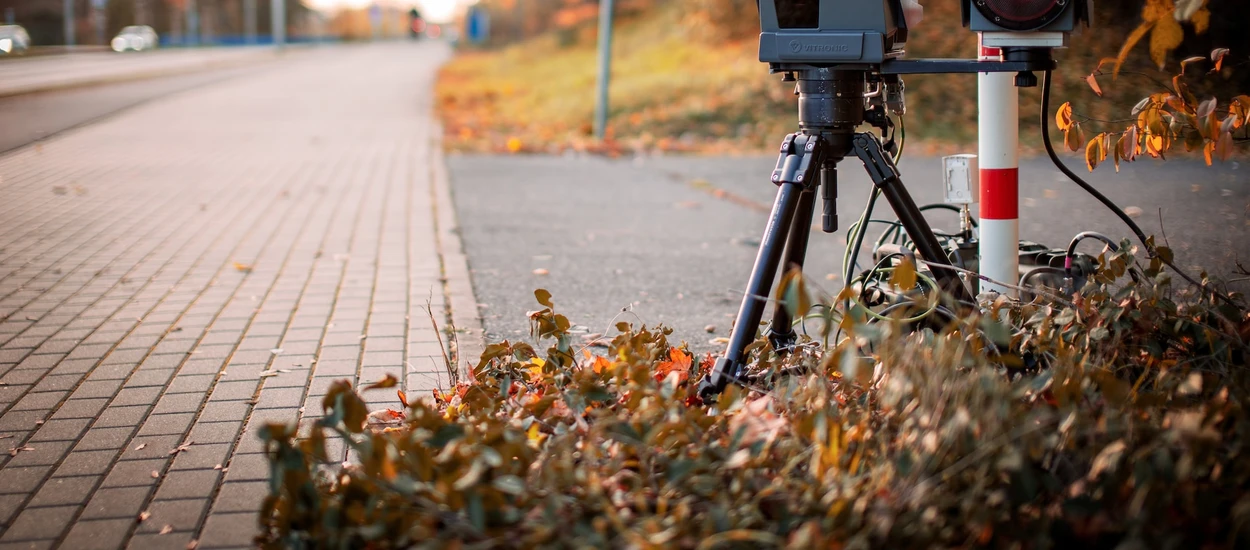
960,174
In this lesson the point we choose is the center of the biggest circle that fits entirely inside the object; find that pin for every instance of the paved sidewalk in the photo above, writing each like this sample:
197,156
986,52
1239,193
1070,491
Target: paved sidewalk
175,277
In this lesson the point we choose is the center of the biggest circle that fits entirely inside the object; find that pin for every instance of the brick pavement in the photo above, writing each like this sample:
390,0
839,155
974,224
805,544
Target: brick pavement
178,275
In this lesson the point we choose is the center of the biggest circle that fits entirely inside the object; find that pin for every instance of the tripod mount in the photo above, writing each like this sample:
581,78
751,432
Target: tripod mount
832,105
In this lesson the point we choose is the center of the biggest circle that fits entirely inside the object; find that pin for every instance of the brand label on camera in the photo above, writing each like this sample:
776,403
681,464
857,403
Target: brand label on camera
831,46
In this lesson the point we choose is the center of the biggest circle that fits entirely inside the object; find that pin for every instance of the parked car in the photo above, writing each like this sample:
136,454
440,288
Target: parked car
13,40
135,38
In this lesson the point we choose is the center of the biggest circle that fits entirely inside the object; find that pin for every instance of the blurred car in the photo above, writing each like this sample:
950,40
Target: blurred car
13,40
135,38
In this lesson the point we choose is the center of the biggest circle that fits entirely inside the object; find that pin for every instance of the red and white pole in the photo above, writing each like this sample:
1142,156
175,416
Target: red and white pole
998,135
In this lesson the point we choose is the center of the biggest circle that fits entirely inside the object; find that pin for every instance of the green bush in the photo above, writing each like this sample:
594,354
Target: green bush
1118,420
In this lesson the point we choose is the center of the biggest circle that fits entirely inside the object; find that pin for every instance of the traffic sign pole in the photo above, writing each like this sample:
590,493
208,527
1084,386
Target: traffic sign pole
605,67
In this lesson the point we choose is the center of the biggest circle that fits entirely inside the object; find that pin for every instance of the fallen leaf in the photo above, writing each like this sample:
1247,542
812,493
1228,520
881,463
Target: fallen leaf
156,474
141,446
275,351
388,382
1133,211
144,515
181,448
540,271
710,328
167,529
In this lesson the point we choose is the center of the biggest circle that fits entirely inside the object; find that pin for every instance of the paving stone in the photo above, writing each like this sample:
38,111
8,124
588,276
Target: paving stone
150,377
224,411
181,515
236,390
136,473
108,534
64,491
157,446
188,484
58,382
280,398
79,463
98,388
8,507
116,502
242,496
137,396
122,416
42,401
104,438
198,383
178,403
167,424
202,456
45,453
22,480
155,541
39,523
21,420
248,467
228,530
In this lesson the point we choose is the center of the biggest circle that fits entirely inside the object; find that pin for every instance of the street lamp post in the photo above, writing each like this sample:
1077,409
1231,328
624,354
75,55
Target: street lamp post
68,18
249,21
605,67
277,19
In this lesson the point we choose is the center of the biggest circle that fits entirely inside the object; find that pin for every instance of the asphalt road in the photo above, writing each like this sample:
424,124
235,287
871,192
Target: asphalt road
647,241
30,117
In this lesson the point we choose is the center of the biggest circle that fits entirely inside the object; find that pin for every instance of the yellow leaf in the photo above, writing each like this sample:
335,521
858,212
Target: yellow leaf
1154,146
243,267
1207,151
1201,20
514,145
1165,37
1155,10
1132,40
904,276
1063,117
1075,138
1094,152
1119,146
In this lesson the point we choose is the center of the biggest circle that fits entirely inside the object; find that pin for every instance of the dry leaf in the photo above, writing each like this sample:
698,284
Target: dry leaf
144,515
167,529
540,271
243,267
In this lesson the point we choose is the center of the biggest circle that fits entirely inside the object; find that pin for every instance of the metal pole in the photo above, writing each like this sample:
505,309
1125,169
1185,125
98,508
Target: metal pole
193,23
68,18
249,21
605,67
998,135
277,18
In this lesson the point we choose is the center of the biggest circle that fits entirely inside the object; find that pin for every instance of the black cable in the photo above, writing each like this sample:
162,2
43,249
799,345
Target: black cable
1091,235
1050,151
860,231
1054,158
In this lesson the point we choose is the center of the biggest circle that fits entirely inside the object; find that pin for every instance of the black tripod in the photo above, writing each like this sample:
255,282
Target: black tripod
831,106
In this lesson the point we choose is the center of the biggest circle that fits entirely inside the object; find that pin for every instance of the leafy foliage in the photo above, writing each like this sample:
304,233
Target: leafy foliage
1118,419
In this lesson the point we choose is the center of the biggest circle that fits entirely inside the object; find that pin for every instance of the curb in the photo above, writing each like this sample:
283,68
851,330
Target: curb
137,75
461,303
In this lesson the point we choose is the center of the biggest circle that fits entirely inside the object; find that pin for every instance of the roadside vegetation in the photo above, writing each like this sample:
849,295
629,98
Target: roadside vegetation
1114,416
685,77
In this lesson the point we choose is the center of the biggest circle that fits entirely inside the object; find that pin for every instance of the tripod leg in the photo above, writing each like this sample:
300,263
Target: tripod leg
886,177
789,195
780,333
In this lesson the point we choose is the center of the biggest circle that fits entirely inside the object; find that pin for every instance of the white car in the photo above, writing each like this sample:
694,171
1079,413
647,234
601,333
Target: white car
135,38
13,40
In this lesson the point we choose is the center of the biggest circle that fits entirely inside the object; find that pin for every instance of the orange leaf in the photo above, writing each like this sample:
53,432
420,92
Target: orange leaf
1207,151
1132,40
1063,117
1094,152
1165,37
1201,20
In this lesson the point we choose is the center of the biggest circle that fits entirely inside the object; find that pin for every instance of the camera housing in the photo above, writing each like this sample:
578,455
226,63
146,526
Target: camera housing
801,34
1025,23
